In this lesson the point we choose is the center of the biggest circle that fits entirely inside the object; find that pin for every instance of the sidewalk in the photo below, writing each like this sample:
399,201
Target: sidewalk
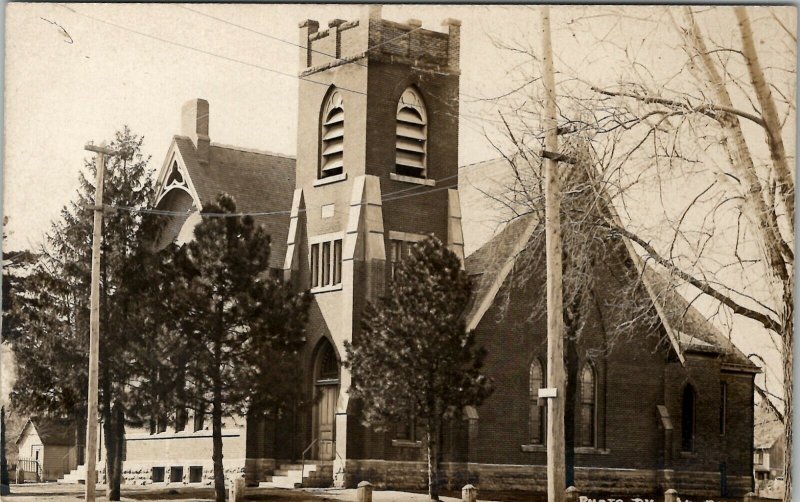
52,492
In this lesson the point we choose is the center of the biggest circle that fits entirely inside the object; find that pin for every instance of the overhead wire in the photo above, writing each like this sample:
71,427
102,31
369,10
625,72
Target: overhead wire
261,67
283,212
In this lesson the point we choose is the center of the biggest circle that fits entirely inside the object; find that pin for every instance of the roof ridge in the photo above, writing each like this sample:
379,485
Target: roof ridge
253,150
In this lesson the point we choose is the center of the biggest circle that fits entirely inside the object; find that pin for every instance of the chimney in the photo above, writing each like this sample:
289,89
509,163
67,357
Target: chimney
194,124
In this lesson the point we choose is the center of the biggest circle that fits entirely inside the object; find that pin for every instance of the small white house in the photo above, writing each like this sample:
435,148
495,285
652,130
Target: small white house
47,446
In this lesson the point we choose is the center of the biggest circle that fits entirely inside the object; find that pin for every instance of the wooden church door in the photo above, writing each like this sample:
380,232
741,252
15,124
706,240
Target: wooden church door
326,420
327,389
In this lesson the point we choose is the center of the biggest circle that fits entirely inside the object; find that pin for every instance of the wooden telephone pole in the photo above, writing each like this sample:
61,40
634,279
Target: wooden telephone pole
94,323
556,380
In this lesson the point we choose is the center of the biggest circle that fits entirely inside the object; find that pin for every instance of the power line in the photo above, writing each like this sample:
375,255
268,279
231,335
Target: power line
163,212
202,51
257,66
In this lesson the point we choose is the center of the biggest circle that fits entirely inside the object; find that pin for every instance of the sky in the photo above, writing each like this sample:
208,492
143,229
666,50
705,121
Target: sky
76,73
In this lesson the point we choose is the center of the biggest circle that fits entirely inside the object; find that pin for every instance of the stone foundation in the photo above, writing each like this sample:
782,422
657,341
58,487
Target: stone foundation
256,469
141,473
590,481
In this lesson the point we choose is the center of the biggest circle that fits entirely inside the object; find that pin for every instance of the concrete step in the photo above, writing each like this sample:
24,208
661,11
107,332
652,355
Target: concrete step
75,476
297,475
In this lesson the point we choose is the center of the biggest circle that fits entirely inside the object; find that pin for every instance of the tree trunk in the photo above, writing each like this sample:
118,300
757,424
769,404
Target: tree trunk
434,429
114,464
769,112
216,426
788,388
3,462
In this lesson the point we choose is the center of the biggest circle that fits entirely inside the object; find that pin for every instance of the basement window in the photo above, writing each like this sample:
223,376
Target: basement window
195,474
157,474
175,474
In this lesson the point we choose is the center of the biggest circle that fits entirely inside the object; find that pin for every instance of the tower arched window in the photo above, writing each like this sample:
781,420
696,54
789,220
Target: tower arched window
537,413
412,134
688,418
588,406
332,147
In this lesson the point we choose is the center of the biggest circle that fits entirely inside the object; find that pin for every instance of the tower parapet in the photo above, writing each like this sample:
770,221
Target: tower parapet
373,38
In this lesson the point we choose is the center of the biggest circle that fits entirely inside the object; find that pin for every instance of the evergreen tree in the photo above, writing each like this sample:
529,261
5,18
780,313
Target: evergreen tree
415,360
242,326
53,307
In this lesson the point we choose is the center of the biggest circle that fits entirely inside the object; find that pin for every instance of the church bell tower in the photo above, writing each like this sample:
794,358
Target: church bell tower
377,170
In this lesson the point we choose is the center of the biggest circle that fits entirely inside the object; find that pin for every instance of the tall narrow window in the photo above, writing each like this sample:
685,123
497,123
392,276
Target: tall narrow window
326,264
537,412
688,419
399,249
314,265
411,134
723,406
588,396
332,147
337,261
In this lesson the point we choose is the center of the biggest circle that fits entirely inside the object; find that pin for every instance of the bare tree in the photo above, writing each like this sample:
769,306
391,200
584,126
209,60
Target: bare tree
689,163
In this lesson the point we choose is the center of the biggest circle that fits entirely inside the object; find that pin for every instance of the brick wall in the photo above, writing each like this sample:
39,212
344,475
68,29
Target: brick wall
635,374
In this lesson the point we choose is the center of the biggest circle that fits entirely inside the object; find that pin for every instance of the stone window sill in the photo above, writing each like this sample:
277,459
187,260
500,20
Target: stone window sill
534,448
405,443
591,450
412,179
688,454
326,289
330,179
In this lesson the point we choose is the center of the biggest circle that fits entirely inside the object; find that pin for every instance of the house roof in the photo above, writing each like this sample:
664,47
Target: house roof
51,431
259,182
768,427
687,328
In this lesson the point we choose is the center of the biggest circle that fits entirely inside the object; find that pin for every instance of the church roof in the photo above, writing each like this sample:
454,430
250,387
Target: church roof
258,181
688,329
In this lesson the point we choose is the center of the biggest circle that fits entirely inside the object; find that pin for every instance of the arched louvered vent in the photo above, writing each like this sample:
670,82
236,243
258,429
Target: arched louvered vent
411,134
332,161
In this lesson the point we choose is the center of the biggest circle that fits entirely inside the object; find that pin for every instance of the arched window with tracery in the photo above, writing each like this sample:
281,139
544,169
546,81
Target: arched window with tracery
332,140
537,412
588,406
412,134
688,418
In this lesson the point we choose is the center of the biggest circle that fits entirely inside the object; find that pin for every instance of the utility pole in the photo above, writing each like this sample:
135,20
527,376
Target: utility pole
94,323
556,380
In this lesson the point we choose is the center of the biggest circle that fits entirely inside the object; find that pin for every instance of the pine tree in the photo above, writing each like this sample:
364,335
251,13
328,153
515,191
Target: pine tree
243,326
415,359
54,304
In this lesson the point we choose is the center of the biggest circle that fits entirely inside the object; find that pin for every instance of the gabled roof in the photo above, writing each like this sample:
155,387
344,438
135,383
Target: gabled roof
768,427
688,329
52,431
258,181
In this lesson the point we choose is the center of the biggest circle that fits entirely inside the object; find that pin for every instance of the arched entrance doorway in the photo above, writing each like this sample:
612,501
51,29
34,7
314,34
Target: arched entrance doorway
326,390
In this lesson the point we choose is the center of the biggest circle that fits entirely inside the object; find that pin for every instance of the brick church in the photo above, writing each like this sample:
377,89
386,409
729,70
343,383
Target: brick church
378,121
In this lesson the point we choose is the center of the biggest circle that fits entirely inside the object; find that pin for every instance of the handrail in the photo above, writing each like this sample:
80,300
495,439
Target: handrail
303,459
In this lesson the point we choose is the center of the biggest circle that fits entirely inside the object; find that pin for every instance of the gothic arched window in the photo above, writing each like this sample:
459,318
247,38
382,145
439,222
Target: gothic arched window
588,406
412,122
537,413
688,418
332,147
